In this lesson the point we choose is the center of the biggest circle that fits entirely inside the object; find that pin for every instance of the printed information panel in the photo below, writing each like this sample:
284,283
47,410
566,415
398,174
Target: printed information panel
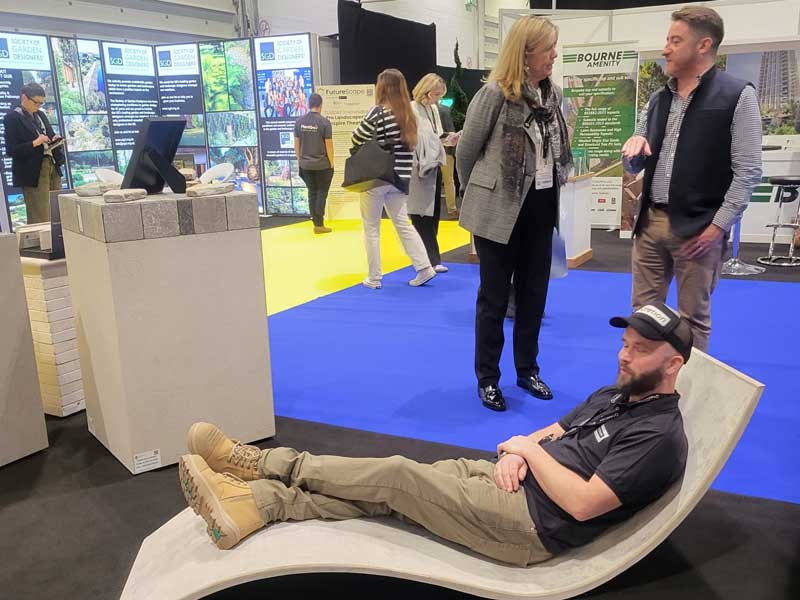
345,107
600,92
132,94
23,59
83,95
180,90
285,81
229,102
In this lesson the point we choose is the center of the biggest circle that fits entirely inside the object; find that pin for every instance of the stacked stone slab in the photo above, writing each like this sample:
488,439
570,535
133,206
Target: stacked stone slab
169,301
54,335
159,216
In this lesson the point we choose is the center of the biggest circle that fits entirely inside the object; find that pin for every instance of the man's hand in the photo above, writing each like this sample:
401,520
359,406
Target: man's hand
635,146
519,445
42,139
509,471
698,246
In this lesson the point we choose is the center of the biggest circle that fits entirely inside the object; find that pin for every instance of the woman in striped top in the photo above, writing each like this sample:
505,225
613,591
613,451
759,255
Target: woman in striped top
395,126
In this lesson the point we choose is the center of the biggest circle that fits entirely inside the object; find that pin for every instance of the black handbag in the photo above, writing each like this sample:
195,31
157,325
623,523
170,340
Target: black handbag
370,165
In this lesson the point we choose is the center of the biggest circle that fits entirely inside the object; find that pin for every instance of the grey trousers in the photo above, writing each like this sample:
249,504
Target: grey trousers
454,499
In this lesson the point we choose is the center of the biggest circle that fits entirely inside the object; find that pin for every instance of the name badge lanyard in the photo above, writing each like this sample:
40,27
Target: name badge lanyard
598,418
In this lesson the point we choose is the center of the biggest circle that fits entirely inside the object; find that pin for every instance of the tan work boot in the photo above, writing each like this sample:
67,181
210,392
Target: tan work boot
223,454
225,502
318,229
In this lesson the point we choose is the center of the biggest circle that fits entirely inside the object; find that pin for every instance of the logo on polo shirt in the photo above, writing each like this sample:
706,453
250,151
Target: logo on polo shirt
164,58
115,57
601,433
267,50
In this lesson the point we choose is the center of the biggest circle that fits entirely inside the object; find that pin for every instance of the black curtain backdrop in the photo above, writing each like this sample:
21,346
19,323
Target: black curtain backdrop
371,42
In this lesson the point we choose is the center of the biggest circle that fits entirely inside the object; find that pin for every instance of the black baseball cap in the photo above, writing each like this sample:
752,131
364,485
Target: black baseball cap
660,322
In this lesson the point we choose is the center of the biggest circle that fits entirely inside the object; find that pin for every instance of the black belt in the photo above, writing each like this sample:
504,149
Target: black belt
657,206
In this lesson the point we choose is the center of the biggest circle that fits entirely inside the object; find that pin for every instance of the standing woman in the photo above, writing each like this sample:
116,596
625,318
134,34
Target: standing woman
425,198
392,119
512,158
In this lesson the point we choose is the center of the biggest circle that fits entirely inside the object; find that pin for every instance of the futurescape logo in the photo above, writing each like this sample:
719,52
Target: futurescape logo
267,50
115,56
600,59
164,58
4,53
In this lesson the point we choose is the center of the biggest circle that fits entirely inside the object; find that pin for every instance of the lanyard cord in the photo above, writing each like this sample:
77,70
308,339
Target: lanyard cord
431,117
618,403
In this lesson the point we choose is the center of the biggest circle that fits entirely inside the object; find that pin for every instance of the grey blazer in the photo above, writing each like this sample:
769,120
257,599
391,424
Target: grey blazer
488,209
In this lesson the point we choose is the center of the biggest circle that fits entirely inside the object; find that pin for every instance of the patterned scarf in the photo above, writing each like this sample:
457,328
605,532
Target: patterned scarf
549,119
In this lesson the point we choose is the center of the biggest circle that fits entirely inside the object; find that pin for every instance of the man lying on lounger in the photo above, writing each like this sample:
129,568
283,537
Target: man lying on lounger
554,489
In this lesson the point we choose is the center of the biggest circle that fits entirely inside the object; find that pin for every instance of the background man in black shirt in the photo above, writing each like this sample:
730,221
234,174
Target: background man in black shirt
313,146
35,165
613,454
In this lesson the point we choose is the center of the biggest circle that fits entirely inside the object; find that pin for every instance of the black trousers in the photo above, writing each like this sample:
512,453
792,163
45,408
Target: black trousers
318,184
526,258
428,227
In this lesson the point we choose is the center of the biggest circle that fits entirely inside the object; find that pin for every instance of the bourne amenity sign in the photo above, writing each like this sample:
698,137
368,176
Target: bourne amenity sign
600,92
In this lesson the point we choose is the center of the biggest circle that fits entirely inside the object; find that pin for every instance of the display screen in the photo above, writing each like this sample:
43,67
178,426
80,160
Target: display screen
229,102
23,59
285,81
132,94
83,95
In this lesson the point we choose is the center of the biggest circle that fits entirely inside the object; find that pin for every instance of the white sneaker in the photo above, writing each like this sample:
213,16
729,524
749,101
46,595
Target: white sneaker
423,276
440,269
373,284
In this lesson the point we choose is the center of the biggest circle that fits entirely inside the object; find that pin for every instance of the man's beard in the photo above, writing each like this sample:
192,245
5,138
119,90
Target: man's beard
640,384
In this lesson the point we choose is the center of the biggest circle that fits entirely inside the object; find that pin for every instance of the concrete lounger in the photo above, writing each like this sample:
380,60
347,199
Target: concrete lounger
178,561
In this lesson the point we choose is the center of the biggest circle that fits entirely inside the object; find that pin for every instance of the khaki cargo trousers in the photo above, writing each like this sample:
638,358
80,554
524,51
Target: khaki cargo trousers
455,499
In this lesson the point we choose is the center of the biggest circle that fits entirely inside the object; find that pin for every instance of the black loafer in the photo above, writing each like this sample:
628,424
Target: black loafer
535,387
492,397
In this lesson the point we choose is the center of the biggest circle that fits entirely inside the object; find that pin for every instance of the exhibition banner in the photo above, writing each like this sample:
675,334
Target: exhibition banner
180,92
132,94
23,59
600,97
229,100
344,106
284,82
83,98
98,93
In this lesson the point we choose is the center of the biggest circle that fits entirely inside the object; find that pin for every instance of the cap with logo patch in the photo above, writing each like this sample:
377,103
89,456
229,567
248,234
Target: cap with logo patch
660,322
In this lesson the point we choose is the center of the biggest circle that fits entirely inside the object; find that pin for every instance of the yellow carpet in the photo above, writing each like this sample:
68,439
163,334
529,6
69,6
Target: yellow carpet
300,266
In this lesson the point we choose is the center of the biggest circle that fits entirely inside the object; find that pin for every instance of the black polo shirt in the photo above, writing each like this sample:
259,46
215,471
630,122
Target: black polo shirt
639,455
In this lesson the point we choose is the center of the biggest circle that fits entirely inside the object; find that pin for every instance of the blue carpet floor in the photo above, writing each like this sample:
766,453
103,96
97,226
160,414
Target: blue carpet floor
399,361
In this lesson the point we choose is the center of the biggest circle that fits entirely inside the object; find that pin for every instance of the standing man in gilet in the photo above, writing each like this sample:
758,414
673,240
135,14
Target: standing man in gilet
699,143
35,165
313,145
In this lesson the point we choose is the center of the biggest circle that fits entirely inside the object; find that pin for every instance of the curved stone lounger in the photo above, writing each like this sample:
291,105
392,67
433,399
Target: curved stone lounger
178,562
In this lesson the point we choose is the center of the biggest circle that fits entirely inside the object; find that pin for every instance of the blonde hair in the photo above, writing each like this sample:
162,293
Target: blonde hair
391,90
527,35
427,84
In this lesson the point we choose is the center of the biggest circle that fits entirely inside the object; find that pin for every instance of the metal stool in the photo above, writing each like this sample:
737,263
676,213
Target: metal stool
787,193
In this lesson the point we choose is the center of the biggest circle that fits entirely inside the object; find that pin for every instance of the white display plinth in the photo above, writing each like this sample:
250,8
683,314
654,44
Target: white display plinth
575,208
169,301
22,428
